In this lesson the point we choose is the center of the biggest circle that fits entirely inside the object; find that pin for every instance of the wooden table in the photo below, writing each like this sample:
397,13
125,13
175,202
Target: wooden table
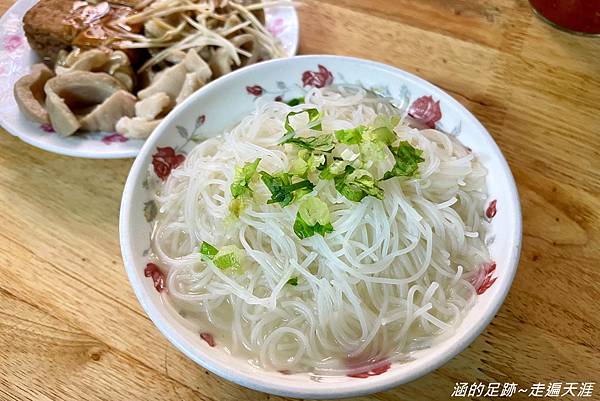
72,329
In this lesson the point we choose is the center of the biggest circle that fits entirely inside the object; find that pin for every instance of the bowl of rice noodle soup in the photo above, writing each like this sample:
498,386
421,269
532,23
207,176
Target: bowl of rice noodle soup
320,227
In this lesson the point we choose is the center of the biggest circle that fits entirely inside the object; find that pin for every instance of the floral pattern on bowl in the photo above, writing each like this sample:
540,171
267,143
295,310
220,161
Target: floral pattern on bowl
425,110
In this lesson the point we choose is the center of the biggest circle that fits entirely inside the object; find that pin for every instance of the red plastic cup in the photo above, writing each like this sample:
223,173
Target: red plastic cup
576,16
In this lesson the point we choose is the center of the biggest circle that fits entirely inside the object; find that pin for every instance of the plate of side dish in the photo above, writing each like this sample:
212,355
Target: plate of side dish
93,79
320,227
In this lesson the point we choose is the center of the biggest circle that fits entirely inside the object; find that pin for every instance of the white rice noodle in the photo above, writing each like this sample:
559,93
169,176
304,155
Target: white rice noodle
393,275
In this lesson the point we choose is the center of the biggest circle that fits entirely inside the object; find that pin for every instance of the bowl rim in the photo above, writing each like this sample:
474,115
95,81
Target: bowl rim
323,390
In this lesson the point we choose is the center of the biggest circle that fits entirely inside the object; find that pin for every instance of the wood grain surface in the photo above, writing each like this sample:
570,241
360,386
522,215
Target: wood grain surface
72,329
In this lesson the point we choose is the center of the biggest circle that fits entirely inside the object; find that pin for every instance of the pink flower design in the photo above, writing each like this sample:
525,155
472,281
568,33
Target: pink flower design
318,79
483,279
200,120
490,212
255,90
107,140
12,42
158,277
276,26
210,340
373,372
426,111
165,160
47,128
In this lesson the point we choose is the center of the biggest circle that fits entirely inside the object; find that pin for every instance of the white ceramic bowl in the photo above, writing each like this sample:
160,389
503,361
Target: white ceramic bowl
220,105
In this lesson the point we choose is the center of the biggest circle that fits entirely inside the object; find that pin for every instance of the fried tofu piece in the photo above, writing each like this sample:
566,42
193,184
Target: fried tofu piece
47,29
54,25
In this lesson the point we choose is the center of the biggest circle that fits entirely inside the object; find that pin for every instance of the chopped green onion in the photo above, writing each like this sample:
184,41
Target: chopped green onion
323,143
352,183
352,136
375,143
306,163
282,189
334,169
390,122
382,134
298,167
312,218
407,161
359,184
230,256
293,281
242,178
207,251
236,206
313,118
295,101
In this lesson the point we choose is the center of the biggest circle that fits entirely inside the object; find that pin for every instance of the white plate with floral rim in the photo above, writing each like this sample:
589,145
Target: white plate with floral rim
16,58
219,106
